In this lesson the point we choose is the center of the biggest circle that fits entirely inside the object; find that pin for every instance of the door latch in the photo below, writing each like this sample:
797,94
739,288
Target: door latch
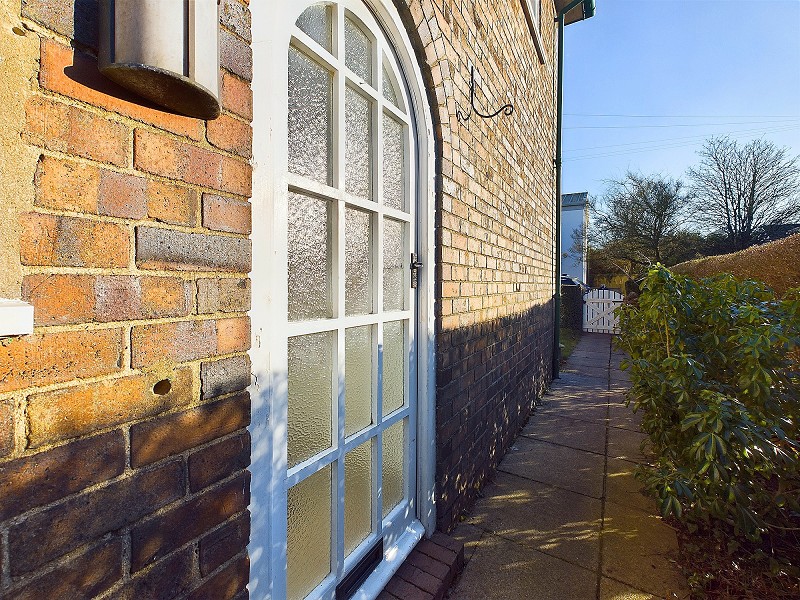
415,267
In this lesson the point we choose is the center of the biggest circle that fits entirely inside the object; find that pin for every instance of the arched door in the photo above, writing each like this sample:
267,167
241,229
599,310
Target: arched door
343,394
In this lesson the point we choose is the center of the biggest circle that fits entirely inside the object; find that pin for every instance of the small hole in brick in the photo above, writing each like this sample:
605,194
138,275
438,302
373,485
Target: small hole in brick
18,30
162,387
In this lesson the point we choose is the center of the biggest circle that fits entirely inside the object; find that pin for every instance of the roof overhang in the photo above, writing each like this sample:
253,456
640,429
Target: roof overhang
583,10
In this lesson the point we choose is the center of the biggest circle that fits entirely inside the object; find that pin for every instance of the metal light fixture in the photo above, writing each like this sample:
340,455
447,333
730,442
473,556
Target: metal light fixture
164,51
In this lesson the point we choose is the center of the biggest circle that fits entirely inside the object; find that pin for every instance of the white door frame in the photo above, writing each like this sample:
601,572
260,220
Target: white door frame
271,39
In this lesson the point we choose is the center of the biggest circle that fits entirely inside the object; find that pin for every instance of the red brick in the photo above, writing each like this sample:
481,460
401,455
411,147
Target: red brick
43,359
73,130
238,176
218,461
76,20
223,544
122,195
225,376
162,534
420,579
226,214
166,580
122,298
440,553
430,565
233,15
6,427
50,240
60,299
182,341
86,576
167,249
63,527
64,299
75,75
171,203
67,185
406,591
162,155
40,479
223,295
233,335
176,433
231,134
235,55
445,541
226,584
79,410
237,96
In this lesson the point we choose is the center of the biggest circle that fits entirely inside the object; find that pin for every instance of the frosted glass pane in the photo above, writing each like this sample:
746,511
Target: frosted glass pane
357,496
358,379
393,366
393,466
310,387
310,108
317,23
394,189
308,544
388,88
394,265
358,145
357,51
358,262
309,246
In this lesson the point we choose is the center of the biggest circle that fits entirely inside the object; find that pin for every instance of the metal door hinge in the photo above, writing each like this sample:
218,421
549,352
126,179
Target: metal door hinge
415,267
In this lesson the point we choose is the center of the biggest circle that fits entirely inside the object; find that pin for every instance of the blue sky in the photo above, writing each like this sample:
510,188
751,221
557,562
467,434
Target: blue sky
687,69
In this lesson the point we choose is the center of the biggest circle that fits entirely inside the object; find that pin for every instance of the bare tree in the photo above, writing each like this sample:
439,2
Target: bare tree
742,190
640,217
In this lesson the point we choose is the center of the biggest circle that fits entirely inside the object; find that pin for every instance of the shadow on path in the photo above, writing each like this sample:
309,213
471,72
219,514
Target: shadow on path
565,519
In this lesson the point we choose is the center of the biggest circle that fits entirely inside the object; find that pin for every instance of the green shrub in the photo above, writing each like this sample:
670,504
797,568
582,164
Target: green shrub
710,369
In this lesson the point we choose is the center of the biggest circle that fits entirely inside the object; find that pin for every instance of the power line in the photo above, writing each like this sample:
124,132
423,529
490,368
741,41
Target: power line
691,137
681,125
671,145
684,116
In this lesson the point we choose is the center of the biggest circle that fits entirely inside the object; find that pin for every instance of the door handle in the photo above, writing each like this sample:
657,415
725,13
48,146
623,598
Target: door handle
415,267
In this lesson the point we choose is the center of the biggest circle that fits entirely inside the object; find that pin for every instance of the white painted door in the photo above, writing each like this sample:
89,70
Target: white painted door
345,422
598,311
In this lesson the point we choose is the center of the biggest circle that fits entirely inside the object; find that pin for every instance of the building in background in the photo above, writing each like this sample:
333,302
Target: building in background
575,235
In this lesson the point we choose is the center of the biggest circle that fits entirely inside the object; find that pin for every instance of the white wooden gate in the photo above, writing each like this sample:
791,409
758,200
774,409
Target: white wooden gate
598,311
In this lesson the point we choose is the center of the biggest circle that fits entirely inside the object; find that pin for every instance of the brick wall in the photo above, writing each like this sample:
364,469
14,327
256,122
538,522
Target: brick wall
494,231
123,440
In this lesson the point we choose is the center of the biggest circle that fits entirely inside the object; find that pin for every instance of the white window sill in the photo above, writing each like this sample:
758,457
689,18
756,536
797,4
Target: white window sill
16,318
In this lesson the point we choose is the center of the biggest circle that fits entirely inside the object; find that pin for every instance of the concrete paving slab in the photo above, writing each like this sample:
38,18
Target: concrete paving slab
567,468
627,444
588,371
543,529
585,381
623,417
614,590
576,363
470,536
639,549
582,435
559,522
623,488
503,569
588,411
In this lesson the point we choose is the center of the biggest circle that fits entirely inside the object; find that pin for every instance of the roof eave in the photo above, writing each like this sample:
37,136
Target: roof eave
583,10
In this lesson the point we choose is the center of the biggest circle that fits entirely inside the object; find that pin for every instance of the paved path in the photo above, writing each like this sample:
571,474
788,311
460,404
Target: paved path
564,518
